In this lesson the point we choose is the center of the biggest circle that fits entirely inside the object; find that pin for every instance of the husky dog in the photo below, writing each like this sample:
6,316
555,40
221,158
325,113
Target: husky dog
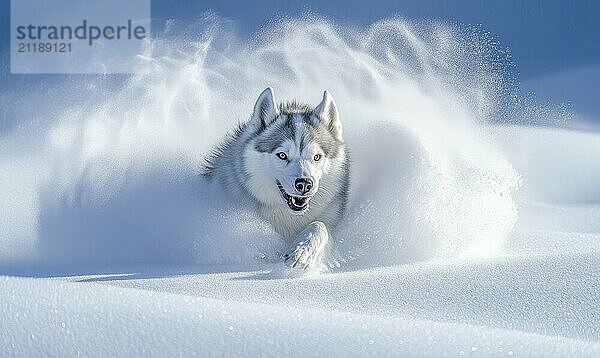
290,163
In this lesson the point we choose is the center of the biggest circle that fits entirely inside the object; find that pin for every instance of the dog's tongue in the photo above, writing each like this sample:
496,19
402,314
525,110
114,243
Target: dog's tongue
300,201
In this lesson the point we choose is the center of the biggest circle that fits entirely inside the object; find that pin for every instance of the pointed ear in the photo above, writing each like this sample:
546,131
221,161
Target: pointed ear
327,113
265,110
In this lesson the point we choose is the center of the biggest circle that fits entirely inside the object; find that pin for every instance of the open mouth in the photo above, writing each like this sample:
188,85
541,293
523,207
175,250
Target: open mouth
296,203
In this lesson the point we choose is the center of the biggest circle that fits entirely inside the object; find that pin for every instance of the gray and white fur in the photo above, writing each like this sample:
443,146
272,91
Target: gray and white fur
290,164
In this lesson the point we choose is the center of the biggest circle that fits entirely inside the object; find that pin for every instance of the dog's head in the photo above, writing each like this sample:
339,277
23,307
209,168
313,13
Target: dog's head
296,152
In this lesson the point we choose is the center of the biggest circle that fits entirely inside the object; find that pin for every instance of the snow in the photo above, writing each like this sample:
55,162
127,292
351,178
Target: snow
472,239
417,310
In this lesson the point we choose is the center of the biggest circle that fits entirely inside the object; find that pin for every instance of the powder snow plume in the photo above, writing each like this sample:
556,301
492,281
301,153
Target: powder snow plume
104,170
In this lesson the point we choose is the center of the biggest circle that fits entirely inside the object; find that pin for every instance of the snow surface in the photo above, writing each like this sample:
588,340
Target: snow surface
464,236
542,306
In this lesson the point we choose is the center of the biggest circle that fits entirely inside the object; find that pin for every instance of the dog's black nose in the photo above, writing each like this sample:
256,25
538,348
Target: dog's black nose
303,185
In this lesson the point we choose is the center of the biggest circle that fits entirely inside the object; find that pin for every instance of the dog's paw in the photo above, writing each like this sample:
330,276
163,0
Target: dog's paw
307,249
300,256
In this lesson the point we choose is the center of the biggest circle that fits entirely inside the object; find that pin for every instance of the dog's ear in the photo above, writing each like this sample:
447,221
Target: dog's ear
327,113
265,110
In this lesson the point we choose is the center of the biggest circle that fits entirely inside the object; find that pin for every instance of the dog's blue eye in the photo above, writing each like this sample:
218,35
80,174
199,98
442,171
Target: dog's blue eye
282,156
317,157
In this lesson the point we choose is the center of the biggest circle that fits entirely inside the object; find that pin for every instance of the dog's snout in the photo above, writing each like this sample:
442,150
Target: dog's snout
303,185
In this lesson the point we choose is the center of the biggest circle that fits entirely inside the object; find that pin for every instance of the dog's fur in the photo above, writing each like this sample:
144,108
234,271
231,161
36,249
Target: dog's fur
290,163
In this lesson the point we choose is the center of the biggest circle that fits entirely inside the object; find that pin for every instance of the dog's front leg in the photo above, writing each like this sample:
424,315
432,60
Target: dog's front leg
307,249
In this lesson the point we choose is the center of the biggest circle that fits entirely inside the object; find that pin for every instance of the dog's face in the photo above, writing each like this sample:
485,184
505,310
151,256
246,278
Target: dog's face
294,150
